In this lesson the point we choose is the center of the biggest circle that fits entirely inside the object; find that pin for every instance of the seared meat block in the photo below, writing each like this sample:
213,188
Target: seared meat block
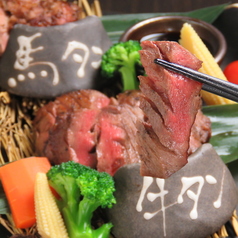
117,131
75,138
40,12
64,128
171,102
117,125
130,115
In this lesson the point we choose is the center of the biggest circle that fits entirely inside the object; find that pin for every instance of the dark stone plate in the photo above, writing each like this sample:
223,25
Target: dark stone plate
45,62
202,194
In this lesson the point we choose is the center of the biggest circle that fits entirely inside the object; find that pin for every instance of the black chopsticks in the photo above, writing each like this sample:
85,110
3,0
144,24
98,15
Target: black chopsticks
211,84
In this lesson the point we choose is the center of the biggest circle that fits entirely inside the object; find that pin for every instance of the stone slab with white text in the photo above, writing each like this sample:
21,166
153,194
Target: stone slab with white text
45,62
194,202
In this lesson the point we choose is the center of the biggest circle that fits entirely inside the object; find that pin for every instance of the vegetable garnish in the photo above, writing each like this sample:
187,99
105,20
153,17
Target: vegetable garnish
4,207
231,72
122,58
49,221
82,191
191,41
18,179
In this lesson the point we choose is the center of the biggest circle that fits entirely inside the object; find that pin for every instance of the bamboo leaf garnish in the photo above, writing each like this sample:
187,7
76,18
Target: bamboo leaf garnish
115,25
224,130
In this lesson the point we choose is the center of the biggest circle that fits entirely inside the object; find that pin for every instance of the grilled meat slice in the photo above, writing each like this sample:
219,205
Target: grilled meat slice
171,102
111,147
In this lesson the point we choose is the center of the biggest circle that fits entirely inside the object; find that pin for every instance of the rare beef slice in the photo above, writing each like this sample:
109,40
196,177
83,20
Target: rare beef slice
171,102
63,128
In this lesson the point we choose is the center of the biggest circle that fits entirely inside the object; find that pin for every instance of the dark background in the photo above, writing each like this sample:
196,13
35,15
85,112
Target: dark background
153,6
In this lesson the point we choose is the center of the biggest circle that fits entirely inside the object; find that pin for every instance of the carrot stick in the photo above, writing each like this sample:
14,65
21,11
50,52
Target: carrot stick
18,180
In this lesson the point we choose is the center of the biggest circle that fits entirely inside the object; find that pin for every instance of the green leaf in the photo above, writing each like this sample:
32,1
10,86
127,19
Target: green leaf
4,207
224,139
208,14
115,25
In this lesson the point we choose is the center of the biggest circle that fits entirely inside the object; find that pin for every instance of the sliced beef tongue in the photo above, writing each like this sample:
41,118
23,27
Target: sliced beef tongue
117,130
81,137
111,149
171,102
130,115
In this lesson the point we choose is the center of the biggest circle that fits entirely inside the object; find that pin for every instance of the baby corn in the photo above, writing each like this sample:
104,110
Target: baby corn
190,40
49,222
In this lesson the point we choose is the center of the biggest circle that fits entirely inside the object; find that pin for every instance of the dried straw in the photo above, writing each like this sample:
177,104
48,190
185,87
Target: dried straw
8,223
89,9
97,8
234,222
16,140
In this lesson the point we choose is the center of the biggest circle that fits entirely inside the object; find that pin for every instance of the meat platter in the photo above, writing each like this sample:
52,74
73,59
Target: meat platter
223,22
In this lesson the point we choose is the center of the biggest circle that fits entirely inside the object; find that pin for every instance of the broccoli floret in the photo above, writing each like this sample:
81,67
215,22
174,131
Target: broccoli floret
122,57
82,190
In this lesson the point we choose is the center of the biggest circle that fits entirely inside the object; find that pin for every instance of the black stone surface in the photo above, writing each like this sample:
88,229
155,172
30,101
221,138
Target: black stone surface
205,170
45,62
